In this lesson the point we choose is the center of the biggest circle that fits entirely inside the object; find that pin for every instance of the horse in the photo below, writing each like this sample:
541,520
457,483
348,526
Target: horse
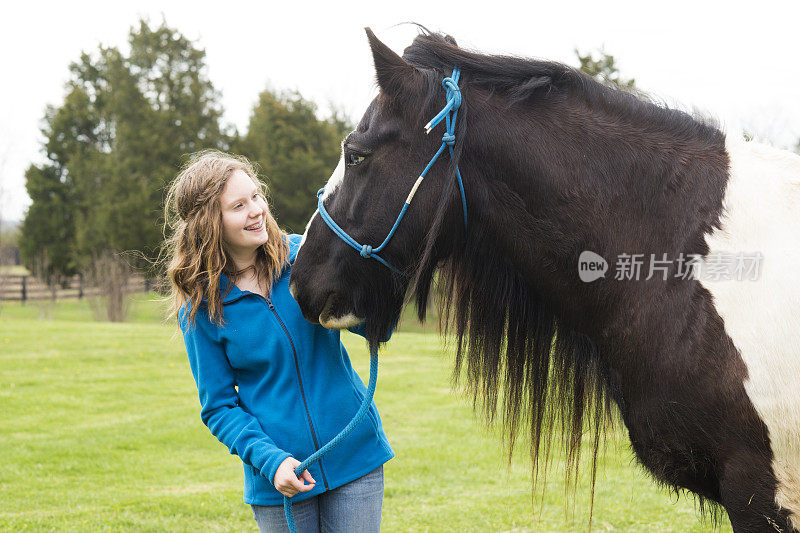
567,180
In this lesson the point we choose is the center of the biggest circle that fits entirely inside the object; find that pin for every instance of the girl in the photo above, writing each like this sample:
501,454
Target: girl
273,387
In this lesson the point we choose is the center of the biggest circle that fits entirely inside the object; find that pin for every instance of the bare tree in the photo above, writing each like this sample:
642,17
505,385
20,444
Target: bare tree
44,273
109,273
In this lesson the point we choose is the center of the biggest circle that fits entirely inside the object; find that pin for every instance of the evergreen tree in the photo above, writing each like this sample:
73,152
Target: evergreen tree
48,231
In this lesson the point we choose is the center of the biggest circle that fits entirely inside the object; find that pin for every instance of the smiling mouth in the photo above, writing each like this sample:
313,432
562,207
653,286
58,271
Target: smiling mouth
256,228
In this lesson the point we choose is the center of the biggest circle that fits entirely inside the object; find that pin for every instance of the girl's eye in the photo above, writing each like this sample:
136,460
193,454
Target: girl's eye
355,159
237,206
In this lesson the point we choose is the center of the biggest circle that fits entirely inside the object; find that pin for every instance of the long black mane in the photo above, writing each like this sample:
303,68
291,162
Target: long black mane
523,363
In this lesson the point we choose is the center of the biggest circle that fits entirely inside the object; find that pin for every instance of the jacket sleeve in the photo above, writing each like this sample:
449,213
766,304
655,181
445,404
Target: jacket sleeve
220,410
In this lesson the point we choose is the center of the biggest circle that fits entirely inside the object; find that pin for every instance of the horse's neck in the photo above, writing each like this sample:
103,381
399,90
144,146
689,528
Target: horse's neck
562,181
640,159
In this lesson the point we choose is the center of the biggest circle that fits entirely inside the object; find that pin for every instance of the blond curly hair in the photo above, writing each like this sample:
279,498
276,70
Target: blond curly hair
195,251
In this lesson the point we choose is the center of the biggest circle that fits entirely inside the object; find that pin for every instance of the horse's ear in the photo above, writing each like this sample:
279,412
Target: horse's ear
395,76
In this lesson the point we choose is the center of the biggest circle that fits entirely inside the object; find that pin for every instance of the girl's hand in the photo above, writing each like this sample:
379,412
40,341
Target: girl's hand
289,484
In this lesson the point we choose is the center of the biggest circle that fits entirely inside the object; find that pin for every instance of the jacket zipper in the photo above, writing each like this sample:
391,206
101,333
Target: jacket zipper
302,391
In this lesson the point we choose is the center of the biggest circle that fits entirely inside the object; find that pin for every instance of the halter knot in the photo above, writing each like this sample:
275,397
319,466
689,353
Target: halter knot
366,251
453,91
449,139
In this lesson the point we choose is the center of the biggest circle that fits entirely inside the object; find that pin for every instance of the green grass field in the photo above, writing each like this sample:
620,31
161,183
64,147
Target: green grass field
100,430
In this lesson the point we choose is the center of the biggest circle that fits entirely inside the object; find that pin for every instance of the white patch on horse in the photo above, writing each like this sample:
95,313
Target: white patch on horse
305,233
330,187
340,322
762,317
335,180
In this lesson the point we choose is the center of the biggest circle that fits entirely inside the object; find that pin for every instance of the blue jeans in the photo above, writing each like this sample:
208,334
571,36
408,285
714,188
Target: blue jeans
355,506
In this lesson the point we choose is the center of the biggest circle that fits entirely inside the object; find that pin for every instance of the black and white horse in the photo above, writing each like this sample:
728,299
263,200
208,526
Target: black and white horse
704,370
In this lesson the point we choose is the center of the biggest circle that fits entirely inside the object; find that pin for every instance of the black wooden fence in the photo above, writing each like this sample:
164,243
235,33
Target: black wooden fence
24,288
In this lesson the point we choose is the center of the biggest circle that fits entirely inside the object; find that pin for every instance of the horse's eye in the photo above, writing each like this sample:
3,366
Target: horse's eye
355,159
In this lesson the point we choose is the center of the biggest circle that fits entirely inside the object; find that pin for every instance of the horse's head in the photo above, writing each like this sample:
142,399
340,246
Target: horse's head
381,162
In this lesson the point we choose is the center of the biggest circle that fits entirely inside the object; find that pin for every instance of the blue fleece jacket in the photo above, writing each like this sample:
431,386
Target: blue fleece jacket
273,385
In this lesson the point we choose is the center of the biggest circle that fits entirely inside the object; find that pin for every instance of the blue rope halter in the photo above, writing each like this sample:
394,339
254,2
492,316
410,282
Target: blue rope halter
449,114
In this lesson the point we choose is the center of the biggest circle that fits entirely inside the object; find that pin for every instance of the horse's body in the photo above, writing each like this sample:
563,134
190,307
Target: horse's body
705,373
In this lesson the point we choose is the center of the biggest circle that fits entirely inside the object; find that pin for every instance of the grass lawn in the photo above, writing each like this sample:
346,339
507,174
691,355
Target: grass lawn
100,430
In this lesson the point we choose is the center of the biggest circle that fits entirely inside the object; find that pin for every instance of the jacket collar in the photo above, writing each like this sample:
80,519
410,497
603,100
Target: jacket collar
235,292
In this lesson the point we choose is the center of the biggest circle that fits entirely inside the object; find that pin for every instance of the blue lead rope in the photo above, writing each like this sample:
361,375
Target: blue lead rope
365,405
449,114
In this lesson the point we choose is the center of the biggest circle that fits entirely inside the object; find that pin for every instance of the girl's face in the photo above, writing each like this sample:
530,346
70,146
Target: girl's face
243,207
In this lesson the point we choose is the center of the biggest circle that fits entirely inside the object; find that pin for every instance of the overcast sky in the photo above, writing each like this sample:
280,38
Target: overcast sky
738,64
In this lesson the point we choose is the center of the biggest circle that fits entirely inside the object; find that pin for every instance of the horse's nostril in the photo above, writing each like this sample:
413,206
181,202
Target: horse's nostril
333,318
293,290
326,309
